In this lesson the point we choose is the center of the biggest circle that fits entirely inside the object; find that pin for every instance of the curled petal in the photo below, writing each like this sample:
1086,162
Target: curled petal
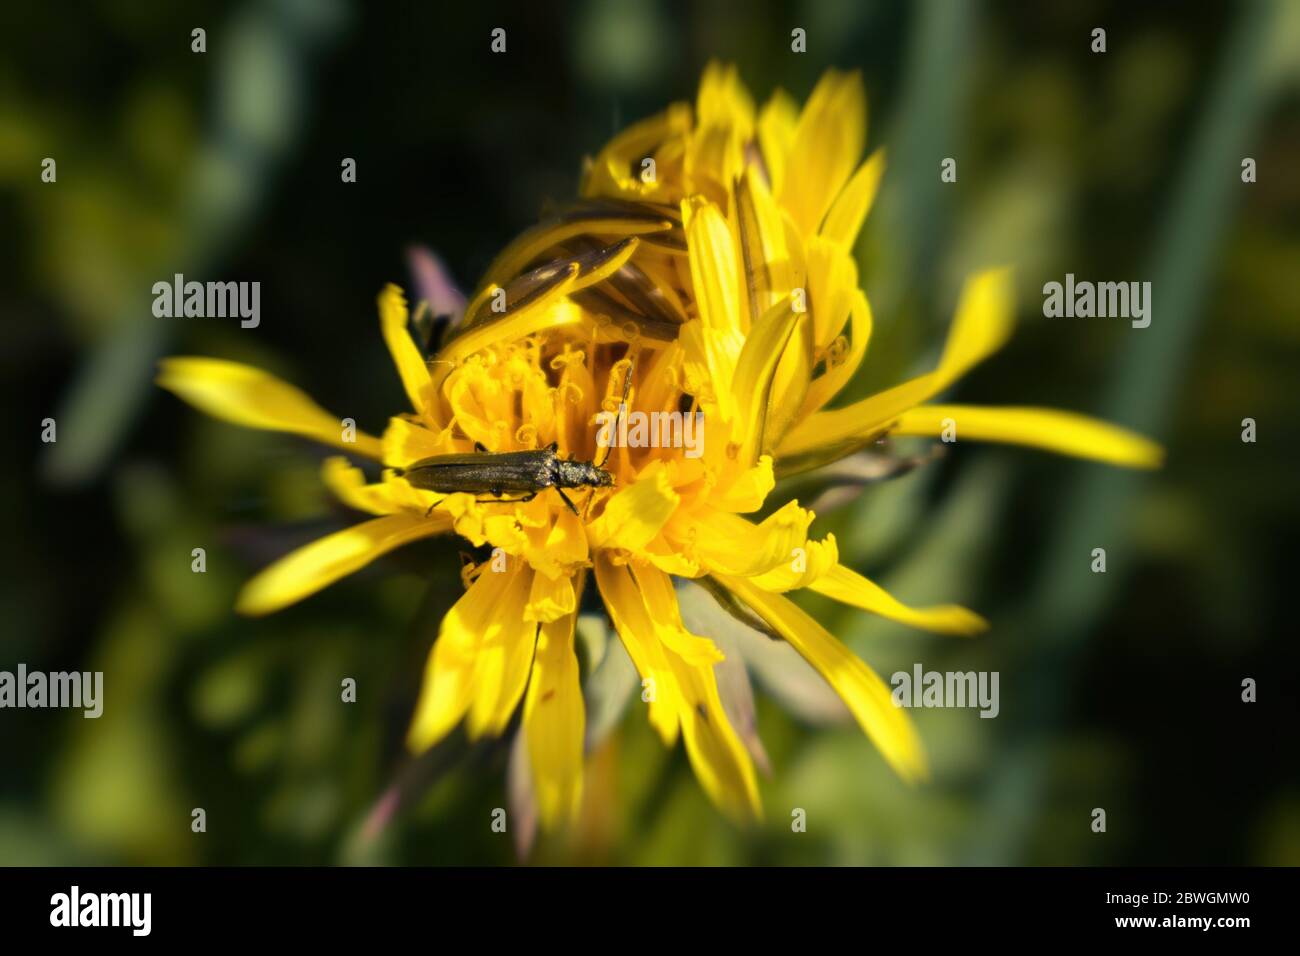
348,483
848,587
728,544
394,322
406,442
748,491
812,561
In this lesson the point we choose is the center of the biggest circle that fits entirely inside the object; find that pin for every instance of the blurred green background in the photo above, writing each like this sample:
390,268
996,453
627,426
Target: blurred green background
1119,691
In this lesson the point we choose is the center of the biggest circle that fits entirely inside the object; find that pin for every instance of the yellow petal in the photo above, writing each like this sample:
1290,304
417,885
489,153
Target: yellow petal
550,598
790,381
718,757
348,483
722,98
866,695
550,310
724,124
985,314
404,496
983,321
717,294
720,761
406,442
816,559
482,405
827,145
661,601
394,321
565,547
748,491
584,269
635,514
827,385
533,243
321,563
713,266
389,496
844,221
504,531
668,559
776,126
831,279
578,401
637,632
768,275
502,660
728,544
554,723
611,173
255,399
848,587
1062,432
714,159
832,285
754,373
450,676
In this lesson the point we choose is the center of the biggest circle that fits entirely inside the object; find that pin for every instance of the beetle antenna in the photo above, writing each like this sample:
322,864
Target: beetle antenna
622,404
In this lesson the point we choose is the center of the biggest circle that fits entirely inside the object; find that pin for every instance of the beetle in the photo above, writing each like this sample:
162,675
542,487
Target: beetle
484,472
495,473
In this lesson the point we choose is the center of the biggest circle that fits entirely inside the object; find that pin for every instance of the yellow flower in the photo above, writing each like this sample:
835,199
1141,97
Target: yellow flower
722,284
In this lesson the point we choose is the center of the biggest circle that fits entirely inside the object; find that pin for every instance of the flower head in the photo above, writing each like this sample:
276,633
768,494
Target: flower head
722,285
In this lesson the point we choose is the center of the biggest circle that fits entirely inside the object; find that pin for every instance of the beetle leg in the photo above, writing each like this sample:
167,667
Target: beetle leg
559,491
501,501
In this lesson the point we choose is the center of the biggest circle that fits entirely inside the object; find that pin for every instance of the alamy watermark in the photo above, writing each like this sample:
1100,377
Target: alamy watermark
75,908
75,689
637,429
212,300
923,688
1103,300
